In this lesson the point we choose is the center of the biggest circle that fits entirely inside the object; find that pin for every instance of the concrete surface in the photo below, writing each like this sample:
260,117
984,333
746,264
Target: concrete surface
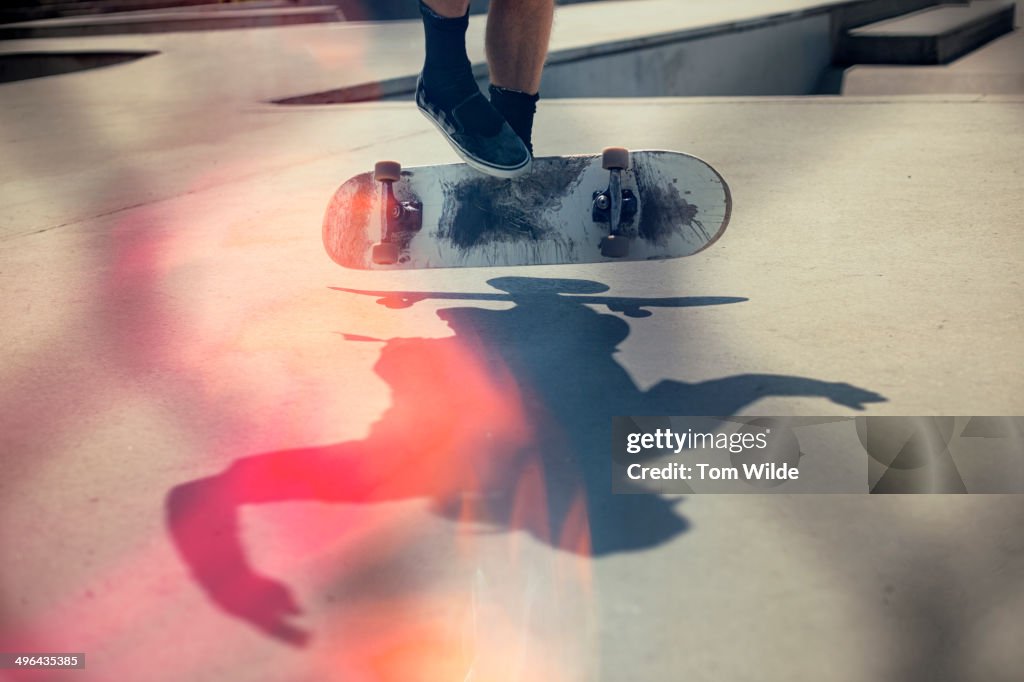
364,61
936,35
189,398
934,21
15,67
995,69
181,19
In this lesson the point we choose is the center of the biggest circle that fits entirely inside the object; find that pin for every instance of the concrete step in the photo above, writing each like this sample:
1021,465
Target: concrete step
352,10
932,36
178,19
23,66
33,10
995,69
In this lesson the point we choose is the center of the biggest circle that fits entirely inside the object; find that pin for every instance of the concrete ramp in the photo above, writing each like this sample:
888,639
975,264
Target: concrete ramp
170,20
27,65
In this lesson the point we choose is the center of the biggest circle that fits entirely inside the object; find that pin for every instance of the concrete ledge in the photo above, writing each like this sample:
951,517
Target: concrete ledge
26,65
171,21
783,49
26,10
933,36
996,68
625,77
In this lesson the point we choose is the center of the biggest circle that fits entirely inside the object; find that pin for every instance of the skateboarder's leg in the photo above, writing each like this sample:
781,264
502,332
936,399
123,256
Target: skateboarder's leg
447,94
518,32
448,8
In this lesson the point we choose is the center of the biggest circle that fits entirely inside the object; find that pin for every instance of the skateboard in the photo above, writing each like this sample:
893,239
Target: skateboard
614,206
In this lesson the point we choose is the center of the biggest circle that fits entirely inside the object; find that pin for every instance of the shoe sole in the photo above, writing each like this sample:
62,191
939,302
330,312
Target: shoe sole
477,164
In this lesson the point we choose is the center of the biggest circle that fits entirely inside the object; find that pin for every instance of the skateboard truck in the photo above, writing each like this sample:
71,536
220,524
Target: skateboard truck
615,206
399,220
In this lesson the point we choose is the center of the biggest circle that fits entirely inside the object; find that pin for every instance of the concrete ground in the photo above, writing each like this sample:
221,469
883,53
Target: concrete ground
193,393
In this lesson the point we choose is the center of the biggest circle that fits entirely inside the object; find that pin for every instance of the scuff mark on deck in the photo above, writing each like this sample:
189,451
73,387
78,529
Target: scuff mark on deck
488,211
664,211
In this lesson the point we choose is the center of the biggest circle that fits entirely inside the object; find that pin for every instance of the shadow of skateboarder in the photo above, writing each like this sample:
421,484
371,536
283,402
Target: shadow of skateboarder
511,415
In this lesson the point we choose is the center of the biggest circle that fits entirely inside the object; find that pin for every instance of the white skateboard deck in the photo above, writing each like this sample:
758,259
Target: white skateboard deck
467,219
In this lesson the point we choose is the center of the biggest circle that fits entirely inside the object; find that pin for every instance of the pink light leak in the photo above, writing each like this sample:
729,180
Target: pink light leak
173,327
457,433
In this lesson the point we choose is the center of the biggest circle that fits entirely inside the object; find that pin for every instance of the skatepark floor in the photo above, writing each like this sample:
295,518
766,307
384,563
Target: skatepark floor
172,326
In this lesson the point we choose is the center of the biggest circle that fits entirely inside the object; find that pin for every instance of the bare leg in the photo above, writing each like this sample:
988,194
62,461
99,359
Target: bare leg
448,8
518,32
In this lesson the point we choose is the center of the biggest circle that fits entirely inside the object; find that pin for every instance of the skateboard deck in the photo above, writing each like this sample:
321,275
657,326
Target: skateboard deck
563,211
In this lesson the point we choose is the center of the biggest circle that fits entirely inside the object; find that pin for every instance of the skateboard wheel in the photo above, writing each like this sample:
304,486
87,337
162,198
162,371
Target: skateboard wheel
615,246
615,157
387,171
385,253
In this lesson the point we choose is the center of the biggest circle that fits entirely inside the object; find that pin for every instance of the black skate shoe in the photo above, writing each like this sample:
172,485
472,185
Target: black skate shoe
478,133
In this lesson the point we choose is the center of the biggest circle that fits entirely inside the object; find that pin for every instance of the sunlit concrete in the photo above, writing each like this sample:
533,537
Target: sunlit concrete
170,319
367,60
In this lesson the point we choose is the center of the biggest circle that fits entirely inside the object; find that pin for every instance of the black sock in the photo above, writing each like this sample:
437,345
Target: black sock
518,109
447,73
